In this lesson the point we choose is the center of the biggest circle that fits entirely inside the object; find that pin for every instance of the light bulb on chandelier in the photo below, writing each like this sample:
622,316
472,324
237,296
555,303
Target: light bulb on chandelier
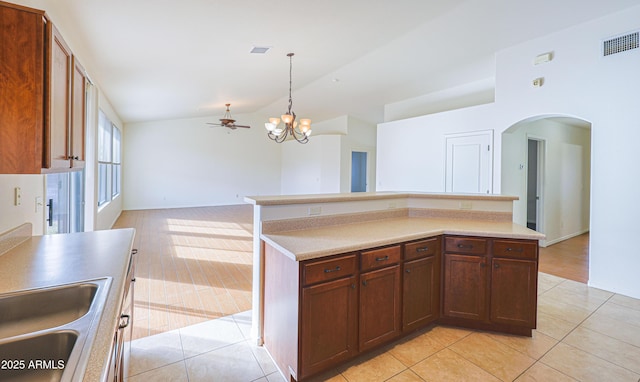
299,131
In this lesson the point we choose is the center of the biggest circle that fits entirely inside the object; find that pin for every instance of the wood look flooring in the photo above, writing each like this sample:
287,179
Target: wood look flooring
195,264
568,259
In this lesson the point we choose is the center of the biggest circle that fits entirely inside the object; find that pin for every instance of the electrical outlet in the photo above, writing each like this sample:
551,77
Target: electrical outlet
317,210
466,205
392,205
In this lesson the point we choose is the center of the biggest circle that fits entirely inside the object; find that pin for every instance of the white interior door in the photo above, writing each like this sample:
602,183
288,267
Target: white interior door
469,162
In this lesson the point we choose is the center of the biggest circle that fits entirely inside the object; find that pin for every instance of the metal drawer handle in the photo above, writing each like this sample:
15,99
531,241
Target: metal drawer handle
127,318
515,249
336,269
469,246
422,249
385,258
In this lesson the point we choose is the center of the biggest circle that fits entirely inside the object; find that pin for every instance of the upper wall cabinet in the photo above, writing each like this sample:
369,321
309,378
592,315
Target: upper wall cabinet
42,96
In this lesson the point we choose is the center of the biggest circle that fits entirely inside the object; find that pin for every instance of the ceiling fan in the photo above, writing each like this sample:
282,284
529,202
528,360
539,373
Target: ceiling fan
227,121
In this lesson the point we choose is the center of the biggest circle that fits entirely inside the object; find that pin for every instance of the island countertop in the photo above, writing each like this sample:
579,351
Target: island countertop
313,243
43,261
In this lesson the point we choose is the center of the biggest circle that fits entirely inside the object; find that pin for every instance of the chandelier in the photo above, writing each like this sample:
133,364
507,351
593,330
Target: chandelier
300,131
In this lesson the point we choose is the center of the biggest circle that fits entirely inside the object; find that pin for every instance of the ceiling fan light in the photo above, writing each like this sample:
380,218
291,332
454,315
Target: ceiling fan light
307,133
277,132
269,126
305,122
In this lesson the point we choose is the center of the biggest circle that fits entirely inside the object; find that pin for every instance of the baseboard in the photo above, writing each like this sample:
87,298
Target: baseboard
566,237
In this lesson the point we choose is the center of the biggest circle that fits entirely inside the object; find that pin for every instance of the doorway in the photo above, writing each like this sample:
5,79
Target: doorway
358,171
64,202
535,167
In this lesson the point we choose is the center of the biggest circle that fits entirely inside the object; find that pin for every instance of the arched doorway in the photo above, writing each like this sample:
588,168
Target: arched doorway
546,162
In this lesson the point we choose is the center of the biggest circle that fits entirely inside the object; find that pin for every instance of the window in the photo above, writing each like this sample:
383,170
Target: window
109,160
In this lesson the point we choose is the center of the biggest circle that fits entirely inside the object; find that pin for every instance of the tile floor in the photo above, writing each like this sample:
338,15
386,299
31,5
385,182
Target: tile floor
584,334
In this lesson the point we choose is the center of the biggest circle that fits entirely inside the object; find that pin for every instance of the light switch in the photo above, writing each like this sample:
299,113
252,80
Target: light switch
18,196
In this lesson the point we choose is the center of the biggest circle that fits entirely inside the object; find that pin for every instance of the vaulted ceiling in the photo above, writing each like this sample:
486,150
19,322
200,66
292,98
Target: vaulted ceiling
167,59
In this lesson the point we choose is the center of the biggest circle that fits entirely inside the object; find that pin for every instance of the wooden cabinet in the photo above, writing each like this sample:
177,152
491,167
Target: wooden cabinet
78,127
329,301
465,286
320,313
514,286
379,316
42,98
22,89
421,284
491,284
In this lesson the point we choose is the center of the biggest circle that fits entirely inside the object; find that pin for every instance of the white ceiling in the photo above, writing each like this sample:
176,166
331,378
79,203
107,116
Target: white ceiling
167,59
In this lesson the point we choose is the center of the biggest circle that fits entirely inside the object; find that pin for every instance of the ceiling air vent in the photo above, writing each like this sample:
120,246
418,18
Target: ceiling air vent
621,43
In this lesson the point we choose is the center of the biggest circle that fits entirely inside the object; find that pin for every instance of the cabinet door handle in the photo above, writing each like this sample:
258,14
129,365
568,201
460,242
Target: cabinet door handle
515,249
384,258
408,270
353,286
336,269
482,265
422,249
127,318
496,266
364,282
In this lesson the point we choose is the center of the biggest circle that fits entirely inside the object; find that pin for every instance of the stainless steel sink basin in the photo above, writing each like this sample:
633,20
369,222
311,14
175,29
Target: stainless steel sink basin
42,357
37,309
48,328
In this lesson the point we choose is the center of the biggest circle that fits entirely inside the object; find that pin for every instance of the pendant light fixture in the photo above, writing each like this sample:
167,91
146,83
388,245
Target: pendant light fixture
299,131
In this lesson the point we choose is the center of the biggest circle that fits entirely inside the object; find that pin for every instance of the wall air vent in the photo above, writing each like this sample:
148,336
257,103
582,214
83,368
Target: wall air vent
621,44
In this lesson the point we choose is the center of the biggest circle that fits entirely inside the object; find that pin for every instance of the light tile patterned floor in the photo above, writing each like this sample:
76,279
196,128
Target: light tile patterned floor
584,334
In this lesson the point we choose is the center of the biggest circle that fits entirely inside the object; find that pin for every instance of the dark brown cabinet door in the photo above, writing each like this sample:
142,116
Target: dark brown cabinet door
379,306
59,103
328,332
465,286
22,58
514,292
420,293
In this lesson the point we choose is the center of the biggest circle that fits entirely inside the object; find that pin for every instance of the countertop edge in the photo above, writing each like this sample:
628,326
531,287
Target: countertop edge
363,196
275,239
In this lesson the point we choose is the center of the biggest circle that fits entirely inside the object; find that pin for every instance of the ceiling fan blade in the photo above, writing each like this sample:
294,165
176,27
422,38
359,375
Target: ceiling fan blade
243,126
213,124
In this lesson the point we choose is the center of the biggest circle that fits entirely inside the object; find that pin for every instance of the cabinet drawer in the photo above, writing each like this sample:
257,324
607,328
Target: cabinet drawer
422,248
331,269
472,246
515,249
380,257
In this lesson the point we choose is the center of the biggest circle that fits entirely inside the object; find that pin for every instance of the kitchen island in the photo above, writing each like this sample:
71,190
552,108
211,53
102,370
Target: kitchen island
52,260
381,265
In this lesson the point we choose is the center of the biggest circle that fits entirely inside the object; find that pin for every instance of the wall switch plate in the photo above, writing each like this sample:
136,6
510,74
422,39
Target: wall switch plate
317,210
18,196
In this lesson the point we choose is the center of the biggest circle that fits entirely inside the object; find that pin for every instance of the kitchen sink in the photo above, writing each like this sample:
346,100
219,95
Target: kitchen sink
41,357
43,331
37,309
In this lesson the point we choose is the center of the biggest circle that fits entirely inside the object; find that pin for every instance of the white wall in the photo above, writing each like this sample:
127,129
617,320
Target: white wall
186,163
578,82
323,165
567,181
11,216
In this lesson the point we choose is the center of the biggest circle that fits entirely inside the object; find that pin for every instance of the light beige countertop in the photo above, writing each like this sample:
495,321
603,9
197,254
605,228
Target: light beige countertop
43,261
331,240
359,196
